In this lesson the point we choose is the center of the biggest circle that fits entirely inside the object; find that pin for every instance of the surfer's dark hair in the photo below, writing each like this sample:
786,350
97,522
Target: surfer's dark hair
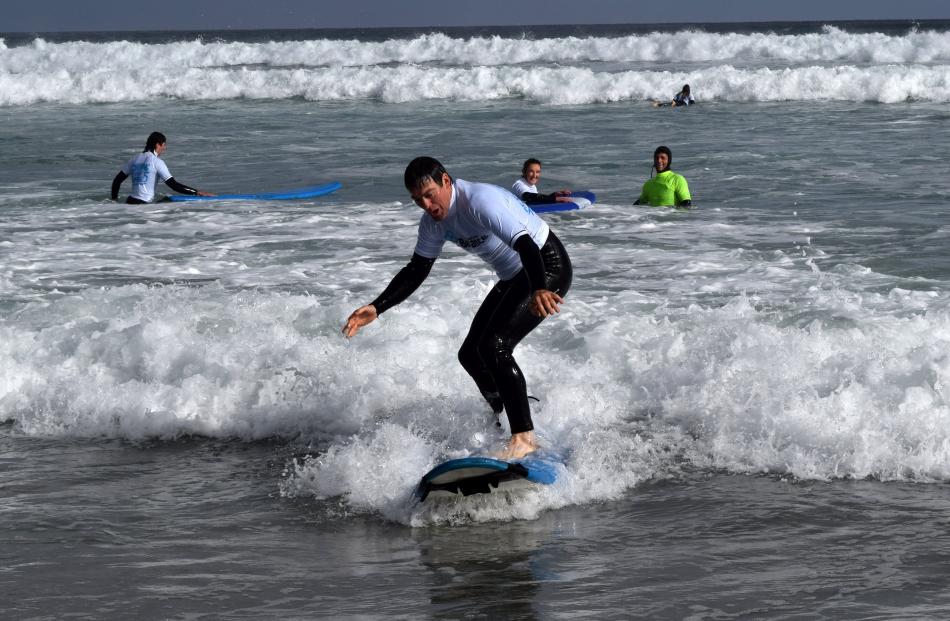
685,90
154,139
528,162
423,168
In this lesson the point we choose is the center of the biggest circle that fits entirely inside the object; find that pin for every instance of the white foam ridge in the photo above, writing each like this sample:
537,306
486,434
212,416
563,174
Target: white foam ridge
629,398
832,64
883,84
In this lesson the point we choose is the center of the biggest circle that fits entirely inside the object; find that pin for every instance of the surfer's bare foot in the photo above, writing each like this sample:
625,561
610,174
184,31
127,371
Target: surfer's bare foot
519,445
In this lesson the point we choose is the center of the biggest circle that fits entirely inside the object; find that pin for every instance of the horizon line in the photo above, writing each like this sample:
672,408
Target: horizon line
909,20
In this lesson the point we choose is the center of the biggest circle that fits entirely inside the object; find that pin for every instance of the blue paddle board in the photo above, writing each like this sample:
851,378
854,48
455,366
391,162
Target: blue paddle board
317,190
482,475
579,200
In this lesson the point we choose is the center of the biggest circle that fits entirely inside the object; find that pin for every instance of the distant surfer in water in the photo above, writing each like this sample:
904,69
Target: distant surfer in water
682,98
666,189
530,261
146,169
526,188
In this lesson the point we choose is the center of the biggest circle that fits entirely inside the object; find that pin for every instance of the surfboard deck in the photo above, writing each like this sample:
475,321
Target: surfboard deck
579,200
308,192
482,475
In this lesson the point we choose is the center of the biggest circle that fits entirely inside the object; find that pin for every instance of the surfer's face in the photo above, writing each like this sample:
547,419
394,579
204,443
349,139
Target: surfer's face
661,161
434,198
159,148
533,174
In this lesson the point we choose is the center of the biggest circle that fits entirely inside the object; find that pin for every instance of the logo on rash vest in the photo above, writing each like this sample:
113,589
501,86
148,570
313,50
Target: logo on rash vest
470,242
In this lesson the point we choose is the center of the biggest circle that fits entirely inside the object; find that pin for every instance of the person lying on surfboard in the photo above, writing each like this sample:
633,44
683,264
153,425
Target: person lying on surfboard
682,98
534,273
526,188
666,189
146,169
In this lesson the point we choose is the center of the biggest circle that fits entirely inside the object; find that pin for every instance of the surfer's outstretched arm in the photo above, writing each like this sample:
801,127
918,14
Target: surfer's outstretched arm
181,188
401,287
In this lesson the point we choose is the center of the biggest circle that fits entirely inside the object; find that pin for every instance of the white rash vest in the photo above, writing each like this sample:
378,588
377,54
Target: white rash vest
485,220
145,169
521,186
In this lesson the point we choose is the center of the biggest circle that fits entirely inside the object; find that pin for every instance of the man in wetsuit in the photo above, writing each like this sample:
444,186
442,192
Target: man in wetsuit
666,189
146,168
531,263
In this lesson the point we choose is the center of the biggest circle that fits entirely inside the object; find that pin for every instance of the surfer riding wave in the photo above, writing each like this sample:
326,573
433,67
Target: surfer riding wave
530,261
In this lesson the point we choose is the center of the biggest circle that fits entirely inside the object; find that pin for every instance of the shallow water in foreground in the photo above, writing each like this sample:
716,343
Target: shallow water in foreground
193,529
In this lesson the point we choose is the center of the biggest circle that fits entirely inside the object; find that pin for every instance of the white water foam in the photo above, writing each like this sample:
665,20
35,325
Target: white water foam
831,45
884,84
830,65
629,397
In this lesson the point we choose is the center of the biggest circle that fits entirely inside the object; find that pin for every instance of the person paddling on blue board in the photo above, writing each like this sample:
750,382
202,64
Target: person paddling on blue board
146,169
526,188
666,189
533,267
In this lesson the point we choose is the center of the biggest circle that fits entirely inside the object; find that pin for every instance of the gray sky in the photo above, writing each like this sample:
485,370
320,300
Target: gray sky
65,15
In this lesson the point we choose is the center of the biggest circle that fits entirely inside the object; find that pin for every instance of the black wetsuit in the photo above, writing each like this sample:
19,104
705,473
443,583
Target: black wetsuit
536,198
503,319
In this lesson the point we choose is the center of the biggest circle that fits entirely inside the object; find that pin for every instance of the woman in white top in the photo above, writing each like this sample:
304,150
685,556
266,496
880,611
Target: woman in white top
146,169
526,188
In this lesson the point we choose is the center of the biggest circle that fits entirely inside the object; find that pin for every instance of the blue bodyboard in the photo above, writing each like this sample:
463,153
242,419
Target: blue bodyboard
310,192
580,200
481,475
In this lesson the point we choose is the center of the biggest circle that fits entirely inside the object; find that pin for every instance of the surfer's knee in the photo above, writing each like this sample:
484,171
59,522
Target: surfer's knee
495,351
468,356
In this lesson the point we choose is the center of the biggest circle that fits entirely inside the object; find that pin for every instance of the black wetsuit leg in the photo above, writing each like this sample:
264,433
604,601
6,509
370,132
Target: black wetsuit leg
501,322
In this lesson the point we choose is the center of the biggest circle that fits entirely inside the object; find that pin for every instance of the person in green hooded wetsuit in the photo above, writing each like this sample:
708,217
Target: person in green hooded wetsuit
666,189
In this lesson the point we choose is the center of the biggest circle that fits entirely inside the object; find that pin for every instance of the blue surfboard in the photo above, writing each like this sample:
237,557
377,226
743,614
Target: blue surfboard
309,192
482,475
579,200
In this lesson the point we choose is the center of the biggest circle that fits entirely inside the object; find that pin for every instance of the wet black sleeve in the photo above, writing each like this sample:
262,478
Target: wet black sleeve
534,198
116,183
531,261
181,188
404,283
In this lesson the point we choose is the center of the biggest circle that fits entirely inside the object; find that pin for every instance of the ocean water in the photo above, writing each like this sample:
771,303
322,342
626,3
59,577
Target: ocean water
753,396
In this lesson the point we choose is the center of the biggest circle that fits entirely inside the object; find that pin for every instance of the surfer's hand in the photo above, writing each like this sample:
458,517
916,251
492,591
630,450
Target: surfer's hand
200,193
362,316
544,303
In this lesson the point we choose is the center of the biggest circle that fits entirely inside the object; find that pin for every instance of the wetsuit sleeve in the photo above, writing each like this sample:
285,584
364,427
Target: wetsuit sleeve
682,192
119,178
642,200
181,188
535,198
531,261
404,283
